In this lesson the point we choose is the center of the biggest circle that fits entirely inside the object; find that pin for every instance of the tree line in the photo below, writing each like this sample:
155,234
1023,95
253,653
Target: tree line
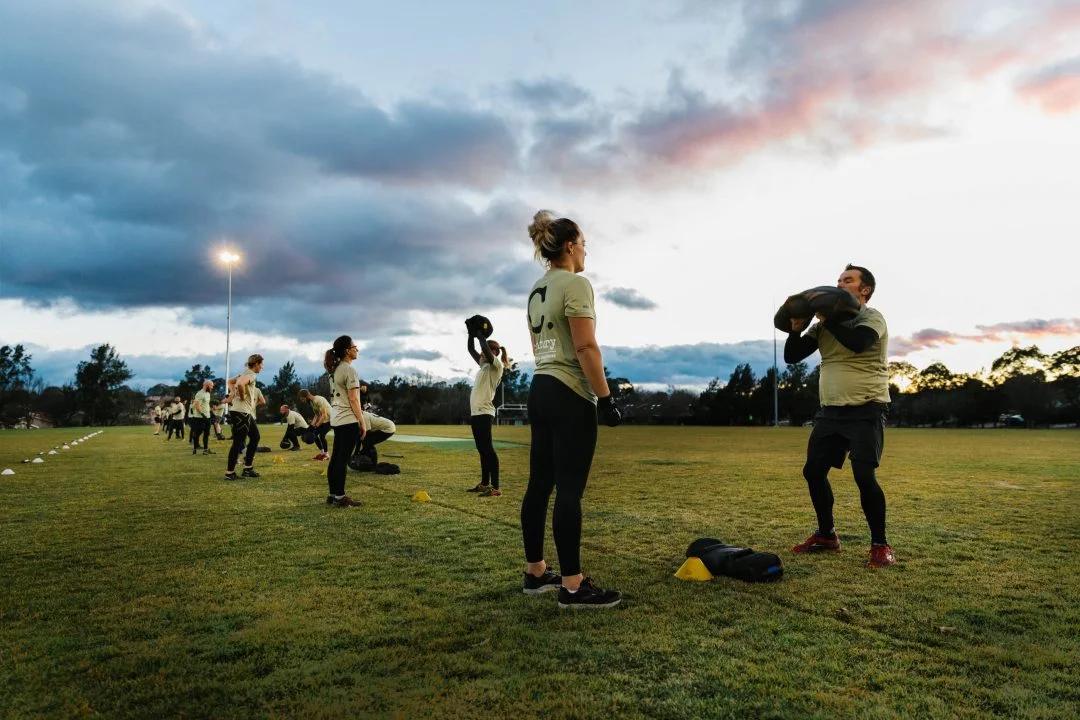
1023,386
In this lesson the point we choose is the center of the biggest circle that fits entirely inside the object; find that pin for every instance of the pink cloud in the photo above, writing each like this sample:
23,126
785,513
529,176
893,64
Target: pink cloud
1015,332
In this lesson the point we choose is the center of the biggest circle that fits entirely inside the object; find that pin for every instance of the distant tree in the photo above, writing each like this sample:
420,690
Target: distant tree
60,404
1065,371
282,390
193,381
1020,374
16,375
96,381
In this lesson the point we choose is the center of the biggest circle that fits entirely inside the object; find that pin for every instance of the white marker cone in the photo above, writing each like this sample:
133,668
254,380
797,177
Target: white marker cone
7,471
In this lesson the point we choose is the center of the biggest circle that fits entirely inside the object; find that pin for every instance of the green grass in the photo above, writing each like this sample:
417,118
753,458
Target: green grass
134,582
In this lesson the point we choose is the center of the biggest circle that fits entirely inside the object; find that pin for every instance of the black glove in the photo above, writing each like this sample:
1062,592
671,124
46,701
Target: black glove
607,411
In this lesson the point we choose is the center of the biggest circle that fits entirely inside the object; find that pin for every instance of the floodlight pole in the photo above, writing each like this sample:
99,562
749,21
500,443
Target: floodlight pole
228,332
775,384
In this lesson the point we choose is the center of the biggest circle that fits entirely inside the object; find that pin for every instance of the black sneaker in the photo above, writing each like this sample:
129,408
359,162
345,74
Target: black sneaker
480,487
344,502
251,473
295,449
588,596
230,476
207,451
547,582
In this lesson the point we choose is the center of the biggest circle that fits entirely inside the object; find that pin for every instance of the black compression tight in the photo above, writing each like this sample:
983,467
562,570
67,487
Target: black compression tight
871,496
563,428
489,460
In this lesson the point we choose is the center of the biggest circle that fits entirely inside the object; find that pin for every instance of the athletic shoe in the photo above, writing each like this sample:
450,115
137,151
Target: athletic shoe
295,449
491,492
880,556
207,451
588,596
547,582
818,543
344,502
230,476
329,499
321,456
251,473
480,487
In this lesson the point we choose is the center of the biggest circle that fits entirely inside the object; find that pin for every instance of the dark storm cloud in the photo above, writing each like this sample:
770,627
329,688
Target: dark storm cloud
629,298
130,144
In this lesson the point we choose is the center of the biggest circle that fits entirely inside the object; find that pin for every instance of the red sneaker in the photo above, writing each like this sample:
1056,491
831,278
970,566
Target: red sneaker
881,556
818,543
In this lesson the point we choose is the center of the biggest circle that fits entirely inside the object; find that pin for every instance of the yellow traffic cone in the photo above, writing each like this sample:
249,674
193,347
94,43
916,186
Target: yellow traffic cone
279,459
421,496
694,569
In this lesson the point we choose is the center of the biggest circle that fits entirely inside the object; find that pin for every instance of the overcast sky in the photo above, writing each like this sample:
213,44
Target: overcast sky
376,164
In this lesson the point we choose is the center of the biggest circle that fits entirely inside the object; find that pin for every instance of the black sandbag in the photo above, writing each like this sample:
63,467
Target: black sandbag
362,463
736,562
832,302
480,325
385,468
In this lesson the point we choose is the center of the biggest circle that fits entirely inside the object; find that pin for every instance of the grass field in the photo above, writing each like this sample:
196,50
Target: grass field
135,582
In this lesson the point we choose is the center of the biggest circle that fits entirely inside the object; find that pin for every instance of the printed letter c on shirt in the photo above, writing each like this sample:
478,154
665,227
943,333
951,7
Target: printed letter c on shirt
542,292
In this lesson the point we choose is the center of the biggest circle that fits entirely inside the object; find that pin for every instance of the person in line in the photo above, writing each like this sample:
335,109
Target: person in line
482,408
217,409
568,390
243,399
200,419
176,419
320,421
854,396
346,417
155,417
379,429
295,427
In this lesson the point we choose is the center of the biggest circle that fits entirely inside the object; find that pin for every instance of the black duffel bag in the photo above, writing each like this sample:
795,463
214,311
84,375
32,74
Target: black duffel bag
736,562
362,463
480,326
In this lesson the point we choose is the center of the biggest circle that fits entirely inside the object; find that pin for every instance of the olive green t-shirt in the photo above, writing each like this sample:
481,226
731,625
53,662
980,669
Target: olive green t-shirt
256,399
378,423
244,398
483,392
319,405
555,298
343,379
200,406
849,378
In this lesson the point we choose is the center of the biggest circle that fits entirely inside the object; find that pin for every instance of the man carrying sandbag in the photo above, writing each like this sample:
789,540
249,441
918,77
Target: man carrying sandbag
854,396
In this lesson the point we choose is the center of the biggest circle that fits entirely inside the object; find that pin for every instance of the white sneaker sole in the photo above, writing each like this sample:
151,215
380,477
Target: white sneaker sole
582,606
541,590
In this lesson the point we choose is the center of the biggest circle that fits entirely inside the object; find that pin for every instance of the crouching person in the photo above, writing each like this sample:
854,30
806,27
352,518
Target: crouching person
380,429
297,425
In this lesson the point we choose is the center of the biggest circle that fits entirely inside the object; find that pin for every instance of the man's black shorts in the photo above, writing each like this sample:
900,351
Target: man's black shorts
858,429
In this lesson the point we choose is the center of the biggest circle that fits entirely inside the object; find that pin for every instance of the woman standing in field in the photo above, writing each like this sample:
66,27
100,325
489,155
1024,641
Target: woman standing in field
568,389
346,417
242,400
483,410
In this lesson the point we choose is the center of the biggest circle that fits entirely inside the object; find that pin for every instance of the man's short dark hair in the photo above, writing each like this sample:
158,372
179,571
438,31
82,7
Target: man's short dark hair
867,278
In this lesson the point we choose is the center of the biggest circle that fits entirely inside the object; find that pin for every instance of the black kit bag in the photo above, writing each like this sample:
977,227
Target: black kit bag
308,437
832,302
736,562
385,468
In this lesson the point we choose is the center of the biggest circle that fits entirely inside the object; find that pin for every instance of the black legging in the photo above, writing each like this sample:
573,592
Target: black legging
346,438
371,439
489,461
200,427
563,441
320,436
244,428
871,496
171,427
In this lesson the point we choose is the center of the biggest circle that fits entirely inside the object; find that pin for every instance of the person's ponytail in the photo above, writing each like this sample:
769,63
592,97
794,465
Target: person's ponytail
336,354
